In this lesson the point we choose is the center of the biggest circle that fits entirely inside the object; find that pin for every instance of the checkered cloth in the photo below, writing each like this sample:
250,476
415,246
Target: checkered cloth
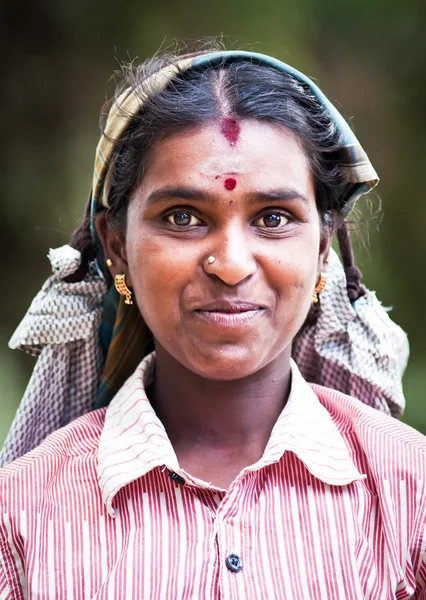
354,348
61,328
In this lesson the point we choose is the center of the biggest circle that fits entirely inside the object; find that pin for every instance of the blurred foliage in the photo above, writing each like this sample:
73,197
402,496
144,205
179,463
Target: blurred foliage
369,57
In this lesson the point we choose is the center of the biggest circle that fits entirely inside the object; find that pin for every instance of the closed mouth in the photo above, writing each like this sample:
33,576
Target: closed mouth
228,314
229,307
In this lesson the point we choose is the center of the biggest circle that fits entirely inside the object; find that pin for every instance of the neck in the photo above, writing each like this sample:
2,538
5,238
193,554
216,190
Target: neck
234,416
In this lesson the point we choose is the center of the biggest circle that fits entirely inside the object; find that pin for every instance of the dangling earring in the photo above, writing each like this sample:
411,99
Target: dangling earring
319,287
122,289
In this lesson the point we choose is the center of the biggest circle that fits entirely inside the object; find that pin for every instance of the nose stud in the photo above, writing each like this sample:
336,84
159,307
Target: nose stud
211,260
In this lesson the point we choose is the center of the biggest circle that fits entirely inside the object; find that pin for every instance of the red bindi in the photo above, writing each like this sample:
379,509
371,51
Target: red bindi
230,184
230,128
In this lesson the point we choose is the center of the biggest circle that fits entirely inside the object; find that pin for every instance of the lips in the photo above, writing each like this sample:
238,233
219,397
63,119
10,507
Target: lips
229,313
229,306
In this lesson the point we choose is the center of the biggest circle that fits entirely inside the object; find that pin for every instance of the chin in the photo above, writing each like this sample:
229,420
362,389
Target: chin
225,363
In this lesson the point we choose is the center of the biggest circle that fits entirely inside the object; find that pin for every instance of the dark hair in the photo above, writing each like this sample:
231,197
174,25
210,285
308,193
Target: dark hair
240,89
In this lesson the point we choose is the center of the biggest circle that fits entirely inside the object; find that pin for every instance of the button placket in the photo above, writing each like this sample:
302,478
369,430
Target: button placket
231,543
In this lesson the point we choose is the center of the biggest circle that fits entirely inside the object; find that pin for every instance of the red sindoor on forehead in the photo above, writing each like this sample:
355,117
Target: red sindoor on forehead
230,183
230,128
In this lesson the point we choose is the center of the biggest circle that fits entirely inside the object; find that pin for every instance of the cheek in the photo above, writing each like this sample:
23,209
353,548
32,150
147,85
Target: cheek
292,273
159,270
293,265
294,285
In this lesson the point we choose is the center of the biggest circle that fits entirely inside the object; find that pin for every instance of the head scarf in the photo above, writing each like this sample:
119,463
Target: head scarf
129,334
353,347
358,173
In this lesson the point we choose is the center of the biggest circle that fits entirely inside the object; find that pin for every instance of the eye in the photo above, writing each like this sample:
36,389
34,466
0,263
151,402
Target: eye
271,220
183,218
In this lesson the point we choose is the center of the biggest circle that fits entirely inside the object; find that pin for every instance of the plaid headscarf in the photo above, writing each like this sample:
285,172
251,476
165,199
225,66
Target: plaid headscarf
353,347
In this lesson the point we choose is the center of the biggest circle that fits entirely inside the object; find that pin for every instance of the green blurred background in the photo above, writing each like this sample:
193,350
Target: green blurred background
368,56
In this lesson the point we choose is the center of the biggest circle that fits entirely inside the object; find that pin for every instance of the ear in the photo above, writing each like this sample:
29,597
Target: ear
324,249
114,247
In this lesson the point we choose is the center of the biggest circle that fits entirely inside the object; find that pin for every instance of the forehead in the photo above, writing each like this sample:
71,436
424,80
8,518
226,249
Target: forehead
261,154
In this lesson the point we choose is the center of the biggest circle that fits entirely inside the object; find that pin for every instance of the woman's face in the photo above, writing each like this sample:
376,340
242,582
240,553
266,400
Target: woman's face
241,193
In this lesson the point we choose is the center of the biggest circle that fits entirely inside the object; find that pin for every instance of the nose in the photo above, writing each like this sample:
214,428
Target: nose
233,256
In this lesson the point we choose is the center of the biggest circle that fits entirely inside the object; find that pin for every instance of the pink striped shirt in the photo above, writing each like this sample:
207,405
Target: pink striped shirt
335,509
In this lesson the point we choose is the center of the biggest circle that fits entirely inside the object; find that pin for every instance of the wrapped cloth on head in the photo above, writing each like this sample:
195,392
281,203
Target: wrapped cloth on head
88,342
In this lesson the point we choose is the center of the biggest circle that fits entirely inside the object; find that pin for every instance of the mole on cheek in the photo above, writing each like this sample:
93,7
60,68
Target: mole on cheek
230,184
230,128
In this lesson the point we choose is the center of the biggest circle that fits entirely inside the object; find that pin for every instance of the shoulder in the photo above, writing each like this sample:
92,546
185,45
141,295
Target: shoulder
351,413
392,456
382,444
77,440
55,478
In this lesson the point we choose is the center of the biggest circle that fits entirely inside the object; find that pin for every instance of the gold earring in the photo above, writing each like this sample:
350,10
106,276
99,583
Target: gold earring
319,287
122,289
108,262
211,260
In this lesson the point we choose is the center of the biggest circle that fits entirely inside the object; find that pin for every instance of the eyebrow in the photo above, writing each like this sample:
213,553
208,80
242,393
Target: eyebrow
183,193
278,194
187,193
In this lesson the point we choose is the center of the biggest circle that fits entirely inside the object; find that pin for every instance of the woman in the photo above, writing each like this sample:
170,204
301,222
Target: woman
216,471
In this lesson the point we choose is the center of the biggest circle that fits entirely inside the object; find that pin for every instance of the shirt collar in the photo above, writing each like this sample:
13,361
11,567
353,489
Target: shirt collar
306,428
133,440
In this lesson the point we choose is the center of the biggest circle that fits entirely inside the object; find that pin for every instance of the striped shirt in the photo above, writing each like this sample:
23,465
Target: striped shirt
334,509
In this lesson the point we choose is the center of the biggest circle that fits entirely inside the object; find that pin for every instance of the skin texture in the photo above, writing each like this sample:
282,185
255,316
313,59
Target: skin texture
222,379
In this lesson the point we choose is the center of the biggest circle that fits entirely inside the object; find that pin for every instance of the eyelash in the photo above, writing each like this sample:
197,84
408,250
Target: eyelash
276,213
169,218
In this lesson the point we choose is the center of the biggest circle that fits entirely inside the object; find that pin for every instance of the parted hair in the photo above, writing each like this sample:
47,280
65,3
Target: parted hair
240,89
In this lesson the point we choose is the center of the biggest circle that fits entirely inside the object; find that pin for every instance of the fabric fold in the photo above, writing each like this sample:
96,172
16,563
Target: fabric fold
354,348
61,327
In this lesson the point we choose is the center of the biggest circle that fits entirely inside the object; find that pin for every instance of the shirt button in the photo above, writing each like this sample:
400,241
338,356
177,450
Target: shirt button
234,563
